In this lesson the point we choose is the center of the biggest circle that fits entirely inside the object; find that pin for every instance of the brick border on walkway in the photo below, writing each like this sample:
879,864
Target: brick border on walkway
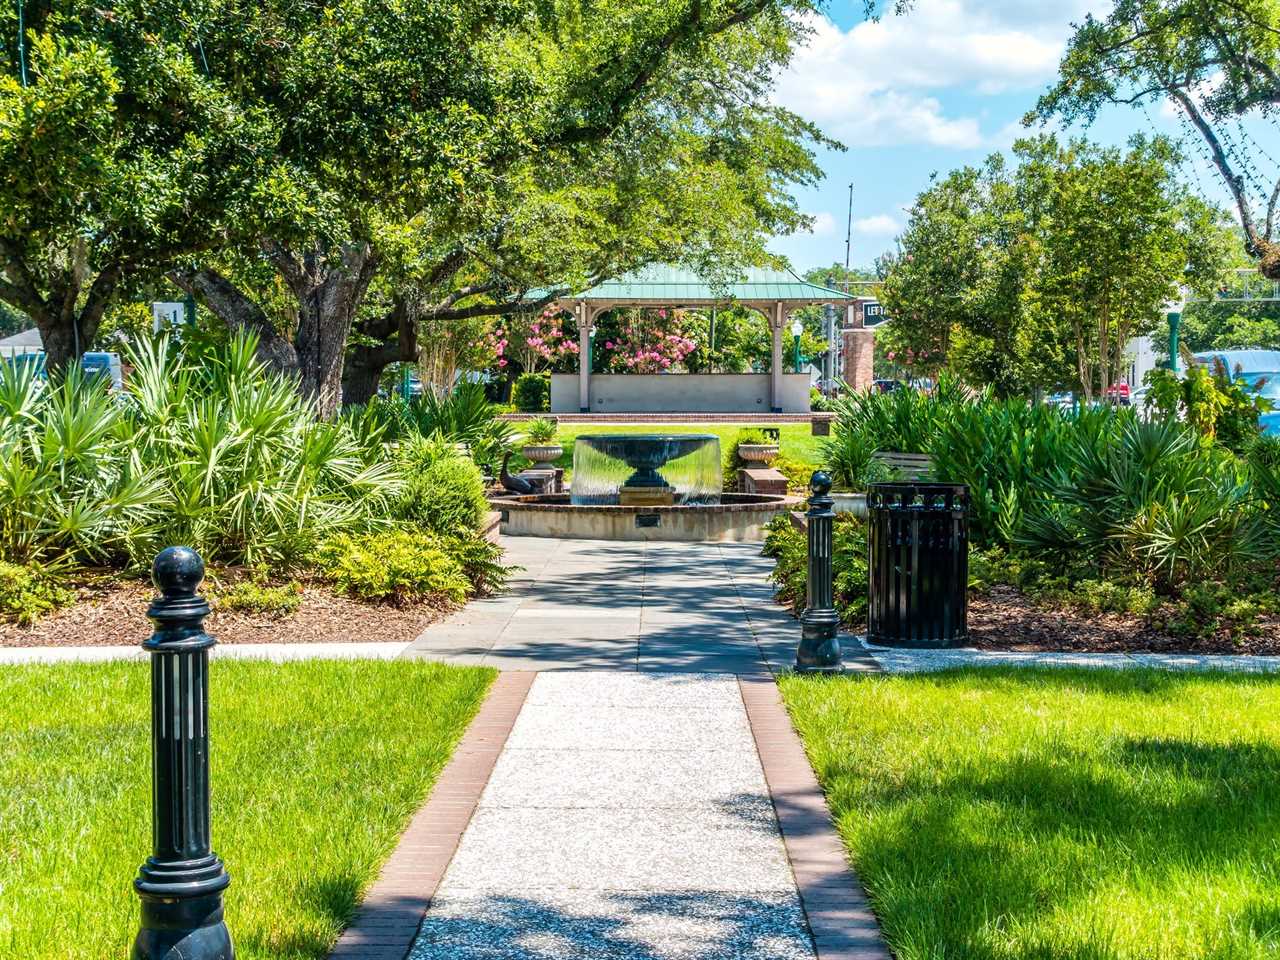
386,924
835,904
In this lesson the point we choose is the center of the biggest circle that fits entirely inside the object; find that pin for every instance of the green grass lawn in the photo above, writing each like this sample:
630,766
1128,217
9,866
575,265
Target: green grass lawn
797,440
316,769
1057,815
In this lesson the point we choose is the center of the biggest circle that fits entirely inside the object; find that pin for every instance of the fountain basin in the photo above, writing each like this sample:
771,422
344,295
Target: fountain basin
646,469
738,517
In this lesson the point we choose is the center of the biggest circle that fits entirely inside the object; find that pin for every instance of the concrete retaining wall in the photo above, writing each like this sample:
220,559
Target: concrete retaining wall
680,393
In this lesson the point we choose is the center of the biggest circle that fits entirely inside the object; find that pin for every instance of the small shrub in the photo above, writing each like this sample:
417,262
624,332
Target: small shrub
1208,609
401,566
443,492
540,430
790,547
1096,596
532,392
29,591
819,402
257,596
481,563
797,472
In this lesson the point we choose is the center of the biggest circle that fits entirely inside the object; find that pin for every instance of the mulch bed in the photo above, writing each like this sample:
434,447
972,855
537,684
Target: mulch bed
115,614
1005,619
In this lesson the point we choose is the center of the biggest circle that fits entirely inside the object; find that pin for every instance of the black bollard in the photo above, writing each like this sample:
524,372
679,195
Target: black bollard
181,883
819,650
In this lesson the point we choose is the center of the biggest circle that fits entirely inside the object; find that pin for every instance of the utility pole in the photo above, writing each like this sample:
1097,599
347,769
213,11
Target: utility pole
848,239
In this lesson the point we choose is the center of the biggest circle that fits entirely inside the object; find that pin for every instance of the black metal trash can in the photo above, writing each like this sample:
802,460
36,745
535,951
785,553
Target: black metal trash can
918,564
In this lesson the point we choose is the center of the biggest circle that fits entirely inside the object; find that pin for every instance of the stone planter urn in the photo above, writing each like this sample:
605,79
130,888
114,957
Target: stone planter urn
542,452
761,453
846,502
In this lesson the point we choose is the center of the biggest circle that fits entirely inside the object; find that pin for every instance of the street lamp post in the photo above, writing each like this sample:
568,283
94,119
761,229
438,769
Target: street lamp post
797,328
182,881
1173,312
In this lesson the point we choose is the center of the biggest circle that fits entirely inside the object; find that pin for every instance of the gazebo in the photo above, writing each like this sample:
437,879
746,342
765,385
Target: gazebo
773,293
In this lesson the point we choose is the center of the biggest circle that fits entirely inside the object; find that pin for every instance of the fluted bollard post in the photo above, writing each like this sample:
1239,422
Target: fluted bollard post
819,650
181,883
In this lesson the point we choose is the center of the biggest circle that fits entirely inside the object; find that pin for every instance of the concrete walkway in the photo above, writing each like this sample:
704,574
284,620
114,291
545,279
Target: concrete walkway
608,605
627,817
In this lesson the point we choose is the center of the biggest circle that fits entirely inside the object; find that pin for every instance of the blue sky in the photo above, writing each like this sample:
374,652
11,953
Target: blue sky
933,90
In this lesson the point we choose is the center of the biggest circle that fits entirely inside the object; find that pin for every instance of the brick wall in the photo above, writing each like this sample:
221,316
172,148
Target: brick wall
858,348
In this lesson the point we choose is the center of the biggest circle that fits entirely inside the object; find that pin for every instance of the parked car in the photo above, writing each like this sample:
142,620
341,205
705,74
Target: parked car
1259,372
94,364
1118,394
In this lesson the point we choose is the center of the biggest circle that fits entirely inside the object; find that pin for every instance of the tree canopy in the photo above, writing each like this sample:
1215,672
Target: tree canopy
282,159
1217,60
1039,276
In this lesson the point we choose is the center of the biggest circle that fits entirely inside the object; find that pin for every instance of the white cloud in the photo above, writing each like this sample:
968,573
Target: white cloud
880,225
824,224
876,83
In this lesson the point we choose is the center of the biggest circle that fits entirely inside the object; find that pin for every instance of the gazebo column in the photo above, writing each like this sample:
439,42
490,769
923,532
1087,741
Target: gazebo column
584,353
775,386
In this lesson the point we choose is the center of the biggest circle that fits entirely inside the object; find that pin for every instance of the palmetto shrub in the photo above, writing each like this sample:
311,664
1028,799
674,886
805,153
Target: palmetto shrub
461,415
903,420
1151,499
212,451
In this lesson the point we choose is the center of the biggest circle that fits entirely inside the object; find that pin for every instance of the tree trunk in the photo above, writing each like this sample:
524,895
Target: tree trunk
363,371
364,363
238,312
65,331
329,292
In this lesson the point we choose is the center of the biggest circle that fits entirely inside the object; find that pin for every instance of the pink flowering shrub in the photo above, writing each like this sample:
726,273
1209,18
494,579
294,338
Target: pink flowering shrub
535,341
649,341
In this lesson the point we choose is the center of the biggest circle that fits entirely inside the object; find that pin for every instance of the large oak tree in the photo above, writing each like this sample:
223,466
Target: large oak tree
274,157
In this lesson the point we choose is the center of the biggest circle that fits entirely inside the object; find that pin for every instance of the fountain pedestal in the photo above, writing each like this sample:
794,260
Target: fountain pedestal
663,496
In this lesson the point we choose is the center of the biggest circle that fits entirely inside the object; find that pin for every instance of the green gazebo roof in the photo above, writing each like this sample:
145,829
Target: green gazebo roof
677,286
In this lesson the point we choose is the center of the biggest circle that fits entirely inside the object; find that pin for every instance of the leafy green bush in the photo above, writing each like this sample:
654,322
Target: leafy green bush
401,566
28,591
797,472
1096,596
1219,407
789,546
532,392
255,595
819,402
443,492
481,563
1206,609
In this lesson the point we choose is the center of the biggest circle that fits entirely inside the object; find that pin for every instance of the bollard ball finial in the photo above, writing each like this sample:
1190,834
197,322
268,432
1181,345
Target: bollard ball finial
820,483
177,571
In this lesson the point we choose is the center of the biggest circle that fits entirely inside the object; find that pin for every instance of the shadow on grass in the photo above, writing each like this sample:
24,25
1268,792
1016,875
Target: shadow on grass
1003,855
